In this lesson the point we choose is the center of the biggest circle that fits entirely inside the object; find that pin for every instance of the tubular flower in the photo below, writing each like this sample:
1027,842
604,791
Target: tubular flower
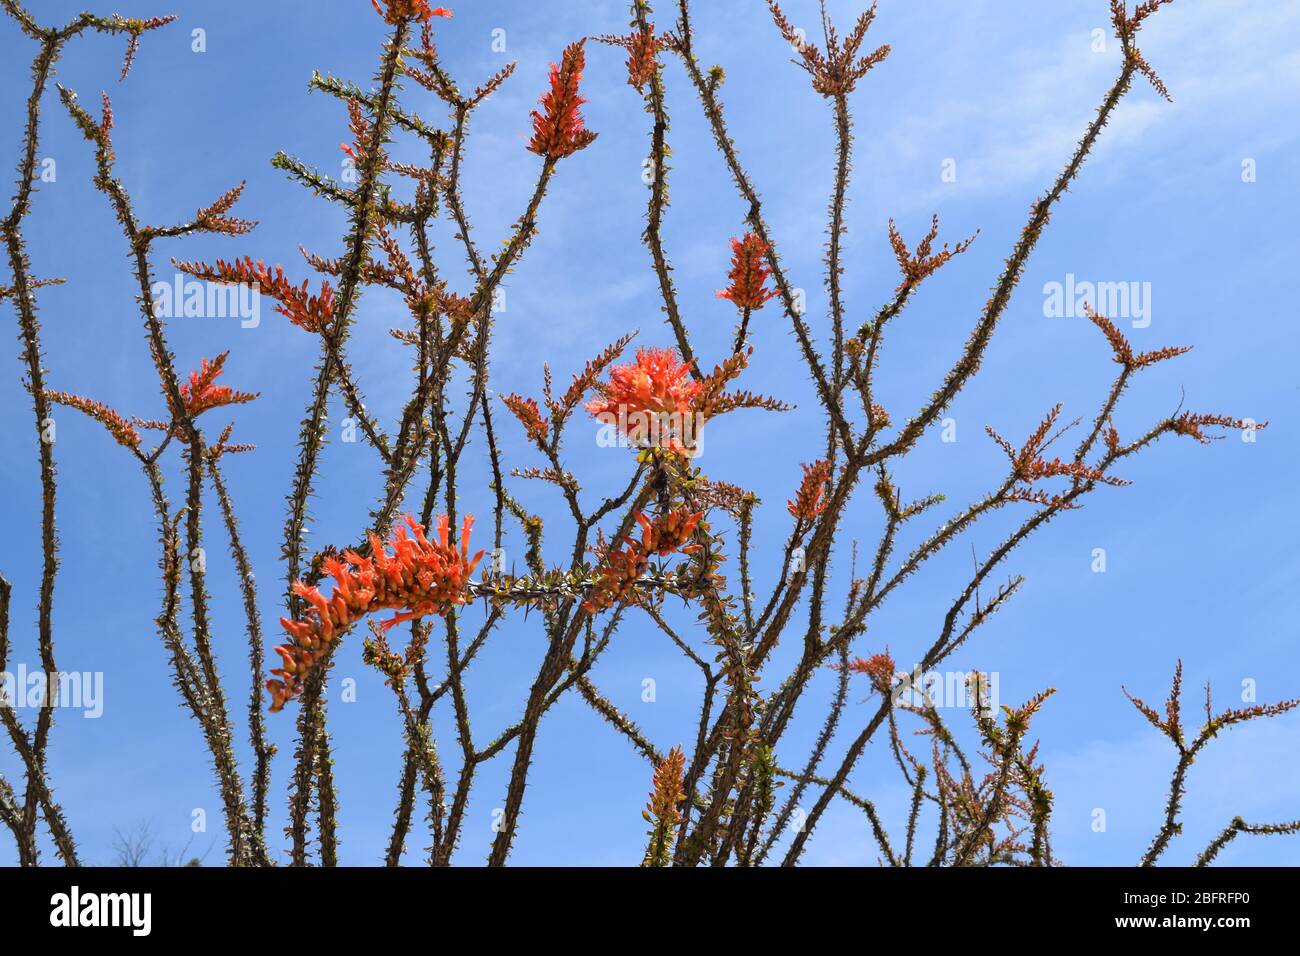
879,669
311,312
1124,354
360,150
399,10
810,501
667,534
653,402
621,570
1193,425
1041,468
641,60
526,410
557,128
748,275
919,263
1029,465
618,577
657,383
201,393
123,431
420,577
836,70
661,810
212,218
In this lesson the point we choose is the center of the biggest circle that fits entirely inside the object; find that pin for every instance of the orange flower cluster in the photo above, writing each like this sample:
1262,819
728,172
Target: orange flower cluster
1172,724
1193,425
664,535
558,129
668,533
661,811
311,312
584,381
529,415
836,71
420,577
920,263
212,218
657,383
122,430
202,394
641,60
655,402
810,500
668,791
1029,465
1124,353
399,11
224,445
1127,27
879,669
748,275
1042,468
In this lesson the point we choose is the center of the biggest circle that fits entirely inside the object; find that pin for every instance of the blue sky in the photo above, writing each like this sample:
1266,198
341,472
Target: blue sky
1199,563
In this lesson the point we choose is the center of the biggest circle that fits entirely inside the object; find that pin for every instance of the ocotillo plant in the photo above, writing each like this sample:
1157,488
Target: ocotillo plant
419,592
